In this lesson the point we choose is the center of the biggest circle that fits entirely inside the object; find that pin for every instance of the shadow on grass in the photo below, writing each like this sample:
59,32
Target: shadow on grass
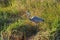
21,33
28,30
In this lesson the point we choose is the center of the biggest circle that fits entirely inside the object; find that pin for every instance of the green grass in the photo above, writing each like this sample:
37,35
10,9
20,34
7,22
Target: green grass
48,10
15,25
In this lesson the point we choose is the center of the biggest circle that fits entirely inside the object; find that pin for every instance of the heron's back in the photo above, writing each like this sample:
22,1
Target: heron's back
36,19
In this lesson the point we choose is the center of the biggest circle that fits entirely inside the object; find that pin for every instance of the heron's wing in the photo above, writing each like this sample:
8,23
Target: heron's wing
37,19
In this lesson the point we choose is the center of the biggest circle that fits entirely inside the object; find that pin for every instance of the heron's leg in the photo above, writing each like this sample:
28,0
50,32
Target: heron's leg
37,24
37,27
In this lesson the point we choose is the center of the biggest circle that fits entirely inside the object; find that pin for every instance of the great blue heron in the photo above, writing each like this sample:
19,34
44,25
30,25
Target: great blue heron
34,19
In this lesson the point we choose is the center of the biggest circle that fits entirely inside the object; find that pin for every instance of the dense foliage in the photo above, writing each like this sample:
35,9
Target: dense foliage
12,15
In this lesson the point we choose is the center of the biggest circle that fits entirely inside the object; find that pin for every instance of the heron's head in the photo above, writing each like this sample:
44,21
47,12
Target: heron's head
28,14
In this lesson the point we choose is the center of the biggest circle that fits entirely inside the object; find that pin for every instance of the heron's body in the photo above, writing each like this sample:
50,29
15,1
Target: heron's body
34,18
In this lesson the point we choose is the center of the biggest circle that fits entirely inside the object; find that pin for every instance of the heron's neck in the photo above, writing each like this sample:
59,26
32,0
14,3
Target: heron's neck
28,17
